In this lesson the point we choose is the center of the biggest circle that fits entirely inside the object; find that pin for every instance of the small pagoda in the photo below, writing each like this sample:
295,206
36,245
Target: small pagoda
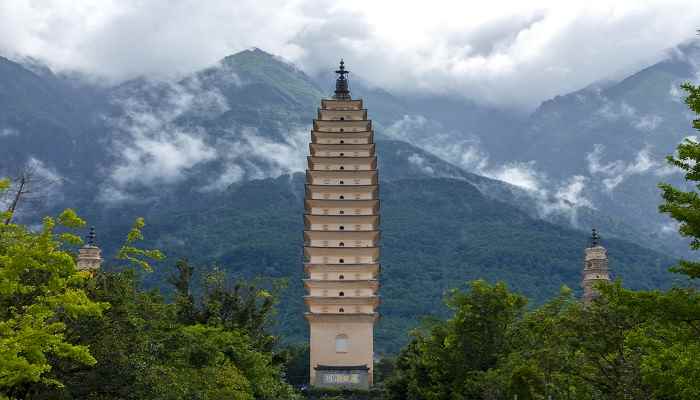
341,242
595,268
89,256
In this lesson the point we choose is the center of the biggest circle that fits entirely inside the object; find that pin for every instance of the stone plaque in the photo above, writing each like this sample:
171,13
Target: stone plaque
355,377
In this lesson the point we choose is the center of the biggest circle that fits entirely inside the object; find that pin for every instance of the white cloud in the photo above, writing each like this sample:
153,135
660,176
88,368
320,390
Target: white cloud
248,154
481,50
562,198
614,111
231,174
161,157
420,162
7,132
49,175
669,228
519,174
160,139
455,147
152,147
648,122
615,172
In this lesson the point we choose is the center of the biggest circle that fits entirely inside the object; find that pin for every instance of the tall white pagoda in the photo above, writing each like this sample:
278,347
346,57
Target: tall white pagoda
341,242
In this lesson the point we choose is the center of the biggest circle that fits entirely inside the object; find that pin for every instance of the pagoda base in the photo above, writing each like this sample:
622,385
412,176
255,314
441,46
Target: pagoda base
342,377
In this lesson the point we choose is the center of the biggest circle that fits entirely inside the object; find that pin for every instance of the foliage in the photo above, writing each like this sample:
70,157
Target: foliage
684,206
135,255
40,293
451,359
626,344
146,347
296,364
68,335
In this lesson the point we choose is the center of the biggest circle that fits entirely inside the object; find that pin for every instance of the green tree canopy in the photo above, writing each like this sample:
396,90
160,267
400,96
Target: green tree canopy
40,292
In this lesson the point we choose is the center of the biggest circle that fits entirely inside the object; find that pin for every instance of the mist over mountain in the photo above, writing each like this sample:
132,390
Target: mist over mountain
468,190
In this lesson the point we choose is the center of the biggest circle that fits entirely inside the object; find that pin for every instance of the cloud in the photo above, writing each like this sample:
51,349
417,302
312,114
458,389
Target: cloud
552,198
669,228
420,162
457,148
614,111
648,122
518,174
474,49
168,132
560,198
231,174
49,175
7,132
615,172
151,147
247,154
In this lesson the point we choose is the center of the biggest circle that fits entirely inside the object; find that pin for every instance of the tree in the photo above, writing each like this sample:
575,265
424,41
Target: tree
148,348
668,343
40,292
296,364
30,186
452,359
182,281
240,305
684,206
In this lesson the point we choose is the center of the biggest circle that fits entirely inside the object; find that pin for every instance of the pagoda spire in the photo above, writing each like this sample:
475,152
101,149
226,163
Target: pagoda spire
595,268
91,236
595,238
342,90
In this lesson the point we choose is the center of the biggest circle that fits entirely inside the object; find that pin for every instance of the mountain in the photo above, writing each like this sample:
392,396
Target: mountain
47,117
600,150
617,136
247,118
211,162
437,233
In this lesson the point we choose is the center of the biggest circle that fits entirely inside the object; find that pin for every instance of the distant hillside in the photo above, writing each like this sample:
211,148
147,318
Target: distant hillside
436,234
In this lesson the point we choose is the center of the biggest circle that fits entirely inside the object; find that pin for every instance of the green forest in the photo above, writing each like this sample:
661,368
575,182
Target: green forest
66,334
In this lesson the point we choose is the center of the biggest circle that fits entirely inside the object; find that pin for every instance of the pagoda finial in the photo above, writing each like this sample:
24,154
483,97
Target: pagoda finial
91,236
342,91
595,238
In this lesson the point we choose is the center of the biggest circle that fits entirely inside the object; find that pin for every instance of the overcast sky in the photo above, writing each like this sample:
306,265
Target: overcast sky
504,52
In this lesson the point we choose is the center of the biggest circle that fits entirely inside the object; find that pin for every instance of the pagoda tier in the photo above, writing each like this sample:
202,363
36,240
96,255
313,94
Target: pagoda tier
341,255
339,272
346,138
341,207
342,163
346,223
341,237
334,304
359,178
342,115
341,126
345,192
332,104
341,150
317,286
